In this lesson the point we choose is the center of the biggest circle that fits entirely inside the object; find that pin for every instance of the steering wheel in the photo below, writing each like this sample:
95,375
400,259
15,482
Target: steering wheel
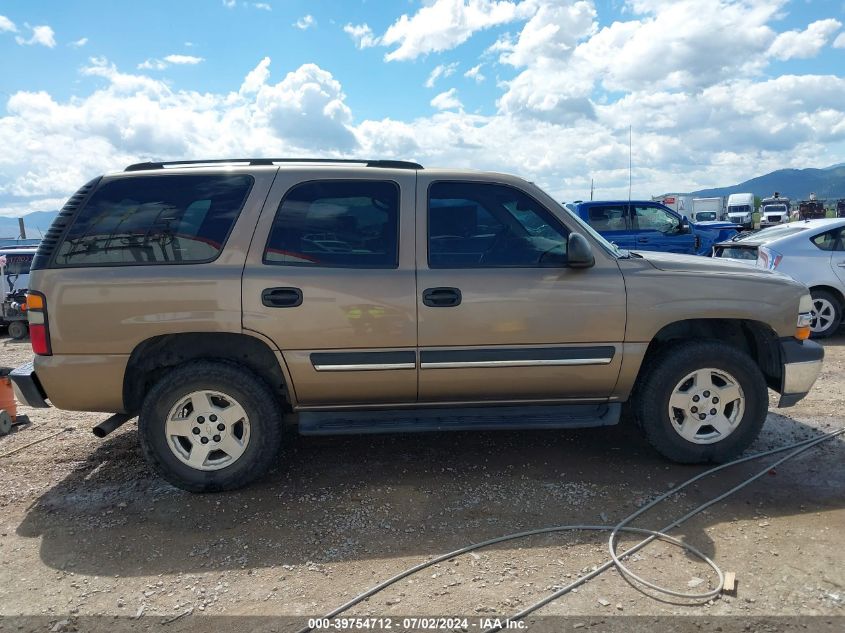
497,245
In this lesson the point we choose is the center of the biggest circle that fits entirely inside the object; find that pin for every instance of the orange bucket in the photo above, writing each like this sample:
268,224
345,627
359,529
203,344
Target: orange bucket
7,398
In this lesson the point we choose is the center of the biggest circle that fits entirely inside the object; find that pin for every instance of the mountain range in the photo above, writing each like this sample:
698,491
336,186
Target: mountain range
796,184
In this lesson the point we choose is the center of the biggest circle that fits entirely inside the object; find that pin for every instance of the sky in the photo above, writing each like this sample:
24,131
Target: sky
713,91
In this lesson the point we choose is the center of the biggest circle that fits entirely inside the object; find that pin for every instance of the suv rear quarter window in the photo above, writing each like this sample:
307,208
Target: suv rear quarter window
337,224
148,220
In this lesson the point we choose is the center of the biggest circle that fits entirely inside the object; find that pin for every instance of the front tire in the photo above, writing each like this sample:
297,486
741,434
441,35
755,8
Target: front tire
209,426
701,401
827,314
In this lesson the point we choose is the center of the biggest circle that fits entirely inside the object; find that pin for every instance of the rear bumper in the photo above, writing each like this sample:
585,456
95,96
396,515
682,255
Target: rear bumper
802,363
27,388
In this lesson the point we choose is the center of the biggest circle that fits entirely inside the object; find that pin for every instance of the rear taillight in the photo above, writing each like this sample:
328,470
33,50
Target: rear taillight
39,330
767,258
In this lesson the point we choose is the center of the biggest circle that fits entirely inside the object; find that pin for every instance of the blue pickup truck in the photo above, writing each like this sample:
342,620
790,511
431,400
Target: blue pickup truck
650,226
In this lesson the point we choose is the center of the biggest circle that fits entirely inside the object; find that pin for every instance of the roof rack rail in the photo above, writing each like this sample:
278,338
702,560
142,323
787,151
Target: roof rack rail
388,164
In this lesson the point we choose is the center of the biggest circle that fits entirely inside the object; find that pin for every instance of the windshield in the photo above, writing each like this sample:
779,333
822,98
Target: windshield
774,208
740,208
609,246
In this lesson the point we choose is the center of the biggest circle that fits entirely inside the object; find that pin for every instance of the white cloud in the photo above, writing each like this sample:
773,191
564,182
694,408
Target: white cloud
174,59
444,24
441,70
263,6
839,42
362,35
305,22
230,4
256,77
6,25
190,60
474,73
82,41
447,100
804,44
42,35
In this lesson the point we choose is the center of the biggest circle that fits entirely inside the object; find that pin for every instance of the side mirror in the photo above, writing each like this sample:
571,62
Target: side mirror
579,253
684,228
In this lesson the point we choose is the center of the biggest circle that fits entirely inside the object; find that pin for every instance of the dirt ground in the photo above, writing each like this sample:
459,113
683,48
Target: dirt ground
86,530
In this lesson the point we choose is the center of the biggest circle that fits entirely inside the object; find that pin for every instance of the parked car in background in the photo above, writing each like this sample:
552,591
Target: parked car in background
812,209
741,209
16,270
774,210
650,226
706,209
812,252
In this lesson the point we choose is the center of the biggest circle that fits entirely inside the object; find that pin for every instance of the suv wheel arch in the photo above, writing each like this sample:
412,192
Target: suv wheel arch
154,356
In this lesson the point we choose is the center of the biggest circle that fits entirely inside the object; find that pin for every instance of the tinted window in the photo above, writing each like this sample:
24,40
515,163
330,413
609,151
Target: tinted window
656,219
829,240
608,218
473,225
155,220
342,224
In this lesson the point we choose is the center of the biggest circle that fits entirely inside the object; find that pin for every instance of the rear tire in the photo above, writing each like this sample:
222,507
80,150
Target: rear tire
692,379
210,426
18,330
827,314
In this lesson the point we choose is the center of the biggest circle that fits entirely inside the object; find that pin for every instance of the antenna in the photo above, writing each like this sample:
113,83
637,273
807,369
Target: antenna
630,160
592,187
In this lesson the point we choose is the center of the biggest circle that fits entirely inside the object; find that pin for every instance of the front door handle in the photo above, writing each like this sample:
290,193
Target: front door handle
281,297
642,240
442,297
841,264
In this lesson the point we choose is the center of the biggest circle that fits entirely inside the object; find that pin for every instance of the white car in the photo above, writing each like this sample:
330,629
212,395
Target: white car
812,252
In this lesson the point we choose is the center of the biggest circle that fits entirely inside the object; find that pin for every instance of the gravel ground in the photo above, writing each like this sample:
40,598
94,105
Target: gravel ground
87,530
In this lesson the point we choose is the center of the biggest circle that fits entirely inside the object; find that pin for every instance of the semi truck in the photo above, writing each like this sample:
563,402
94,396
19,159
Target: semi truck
774,210
741,209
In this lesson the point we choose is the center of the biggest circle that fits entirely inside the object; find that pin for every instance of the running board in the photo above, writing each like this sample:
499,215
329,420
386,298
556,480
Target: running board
564,416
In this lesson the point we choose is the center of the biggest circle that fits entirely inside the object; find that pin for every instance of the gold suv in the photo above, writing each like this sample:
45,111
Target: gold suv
220,300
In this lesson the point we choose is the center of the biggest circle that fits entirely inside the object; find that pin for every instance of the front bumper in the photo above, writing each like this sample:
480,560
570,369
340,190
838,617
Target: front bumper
802,362
28,389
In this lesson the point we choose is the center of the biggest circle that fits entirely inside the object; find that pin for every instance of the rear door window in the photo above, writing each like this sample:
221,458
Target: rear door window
146,220
337,224
608,217
829,240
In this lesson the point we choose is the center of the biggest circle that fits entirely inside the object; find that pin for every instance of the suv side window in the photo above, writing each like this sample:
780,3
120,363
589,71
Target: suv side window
608,217
830,240
337,224
656,219
480,225
147,220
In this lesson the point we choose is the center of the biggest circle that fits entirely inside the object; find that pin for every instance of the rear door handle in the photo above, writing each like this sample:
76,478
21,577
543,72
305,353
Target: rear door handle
442,297
281,297
642,240
841,264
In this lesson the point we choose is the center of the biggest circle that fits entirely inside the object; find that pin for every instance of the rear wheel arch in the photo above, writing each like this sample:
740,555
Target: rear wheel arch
155,356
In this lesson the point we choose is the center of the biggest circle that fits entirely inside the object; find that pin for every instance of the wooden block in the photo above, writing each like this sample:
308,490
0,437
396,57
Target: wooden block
730,582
